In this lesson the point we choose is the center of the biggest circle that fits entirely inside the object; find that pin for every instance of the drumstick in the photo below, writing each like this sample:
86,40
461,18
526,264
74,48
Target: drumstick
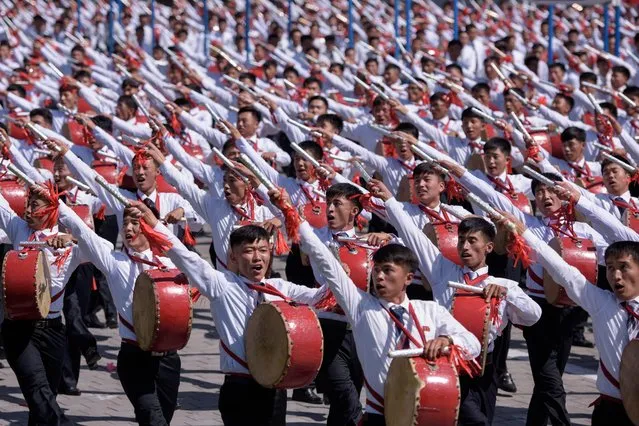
379,91
318,192
42,151
37,133
55,70
305,155
500,74
412,79
536,175
520,125
383,131
244,159
20,174
338,158
602,147
594,103
597,88
454,212
538,129
229,164
239,84
40,244
362,171
484,115
623,165
217,118
141,106
520,98
361,82
465,287
303,127
112,190
79,184
627,100
411,353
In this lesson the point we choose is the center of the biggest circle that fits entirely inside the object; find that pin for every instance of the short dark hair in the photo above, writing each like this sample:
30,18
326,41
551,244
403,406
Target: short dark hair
480,87
128,101
622,70
318,98
397,254
310,80
610,107
476,224
470,113
631,91
17,88
130,82
623,248
499,144
428,169
439,96
247,75
346,190
105,123
535,184
567,98
42,112
334,119
313,148
248,234
588,76
256,114
573,132
557,65
409,128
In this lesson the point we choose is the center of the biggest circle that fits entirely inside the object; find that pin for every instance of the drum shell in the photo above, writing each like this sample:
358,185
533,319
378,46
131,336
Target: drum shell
473,312
359,264
629,380
315,214
444,236
580,253
304,345
437,393
631,220
84,212
520,201
543,140
15,194
44,163
109,171
169,306
194,151
25,285
163,186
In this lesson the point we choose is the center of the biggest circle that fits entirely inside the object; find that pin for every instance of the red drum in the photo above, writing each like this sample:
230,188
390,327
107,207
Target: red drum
444,236
194,151
421,393
284,345
520,201
542,139
315,214
359,264
473,312
84,107
163,186
74,132
15,194
44,163
557,148
109,171
162,310
580,253
630,219
629,380
84,212
593,184
25,285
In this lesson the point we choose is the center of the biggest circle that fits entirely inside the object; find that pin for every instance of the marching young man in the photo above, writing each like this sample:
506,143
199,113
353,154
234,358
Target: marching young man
476,241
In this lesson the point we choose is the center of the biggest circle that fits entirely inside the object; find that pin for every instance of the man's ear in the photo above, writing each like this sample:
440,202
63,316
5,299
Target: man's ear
409,279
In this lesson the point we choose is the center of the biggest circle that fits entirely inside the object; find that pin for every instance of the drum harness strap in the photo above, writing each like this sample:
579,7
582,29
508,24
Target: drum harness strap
378,405
266,288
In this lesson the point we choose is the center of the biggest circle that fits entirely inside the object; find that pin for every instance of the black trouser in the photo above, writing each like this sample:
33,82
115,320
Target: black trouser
340,377
478,397
35,351
150,382
608,412
79,338
244,402
549,341
373,420
500,352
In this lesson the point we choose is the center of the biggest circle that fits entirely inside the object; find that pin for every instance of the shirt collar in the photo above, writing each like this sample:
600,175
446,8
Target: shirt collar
348,232
388,305
475,274
153,196
579,163
625,196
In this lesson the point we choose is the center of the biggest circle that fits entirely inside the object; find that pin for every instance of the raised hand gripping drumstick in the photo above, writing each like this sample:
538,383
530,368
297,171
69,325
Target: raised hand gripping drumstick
602,147
20,174
595,104
113,190
520,125
244,159
239,84
306,155
217,118
303,127
228,164
362,171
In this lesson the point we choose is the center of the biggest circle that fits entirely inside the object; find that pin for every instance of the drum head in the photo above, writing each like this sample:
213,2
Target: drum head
145,311
42,283
628,380
401,392
267,345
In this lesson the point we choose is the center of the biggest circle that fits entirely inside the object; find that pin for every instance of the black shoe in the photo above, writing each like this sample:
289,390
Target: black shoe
326,400
307,395
506,383
112,323
71,391
93,322
92,356
582,342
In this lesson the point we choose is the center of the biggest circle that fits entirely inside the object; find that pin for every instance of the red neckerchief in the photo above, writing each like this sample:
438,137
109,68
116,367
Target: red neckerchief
435,218
309,196
156,262
631,206
71,198
476,145
245,217
581,171
475,280
630,311
403,328
267,288
501,186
